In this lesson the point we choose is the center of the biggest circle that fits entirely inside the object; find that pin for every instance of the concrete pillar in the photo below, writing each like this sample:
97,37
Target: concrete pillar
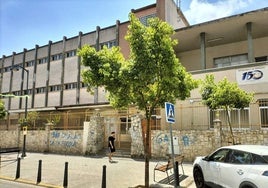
218,132
117,32
34,76
85,137
203,50
250,43
47,129
79,45
62,69
48,71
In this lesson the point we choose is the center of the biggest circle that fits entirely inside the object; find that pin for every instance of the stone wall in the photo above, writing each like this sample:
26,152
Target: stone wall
192,143
75,142
201,143
93,136
137,147
91,140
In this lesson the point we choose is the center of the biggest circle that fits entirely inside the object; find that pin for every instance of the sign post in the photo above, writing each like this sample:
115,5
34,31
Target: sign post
170,118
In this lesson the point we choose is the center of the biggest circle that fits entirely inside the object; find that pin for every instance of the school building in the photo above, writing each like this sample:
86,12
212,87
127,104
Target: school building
234,47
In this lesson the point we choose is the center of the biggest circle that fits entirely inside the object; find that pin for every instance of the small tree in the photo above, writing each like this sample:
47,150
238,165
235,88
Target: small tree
54,120
152,75
226,95
3,111
30,119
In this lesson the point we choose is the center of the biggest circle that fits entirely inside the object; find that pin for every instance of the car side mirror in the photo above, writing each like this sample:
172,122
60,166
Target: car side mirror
206,158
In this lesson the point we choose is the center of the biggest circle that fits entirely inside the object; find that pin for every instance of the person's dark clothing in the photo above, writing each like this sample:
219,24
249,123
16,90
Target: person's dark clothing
111,144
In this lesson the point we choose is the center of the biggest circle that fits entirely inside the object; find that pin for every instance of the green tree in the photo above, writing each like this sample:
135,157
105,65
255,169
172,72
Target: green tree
30,120
3,111
226,95
151,76
53,120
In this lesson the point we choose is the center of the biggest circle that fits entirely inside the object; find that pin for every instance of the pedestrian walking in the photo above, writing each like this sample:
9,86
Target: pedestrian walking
111,146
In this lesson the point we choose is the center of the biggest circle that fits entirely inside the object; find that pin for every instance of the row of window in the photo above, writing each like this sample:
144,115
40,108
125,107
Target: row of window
240,117
108,44
59,56
236,60
44,60
51,89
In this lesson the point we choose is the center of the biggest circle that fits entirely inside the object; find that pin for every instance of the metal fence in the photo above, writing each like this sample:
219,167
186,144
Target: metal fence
192,117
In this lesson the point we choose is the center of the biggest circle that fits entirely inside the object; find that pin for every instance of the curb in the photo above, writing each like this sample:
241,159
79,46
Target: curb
19,180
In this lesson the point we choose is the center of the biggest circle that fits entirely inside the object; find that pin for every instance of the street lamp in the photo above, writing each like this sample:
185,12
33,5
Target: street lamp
16,68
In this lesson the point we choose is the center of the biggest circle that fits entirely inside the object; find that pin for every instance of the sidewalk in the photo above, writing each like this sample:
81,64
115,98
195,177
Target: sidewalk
85,171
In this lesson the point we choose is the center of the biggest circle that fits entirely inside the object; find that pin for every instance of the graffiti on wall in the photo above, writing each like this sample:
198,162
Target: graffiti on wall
186,140
67,139
161,138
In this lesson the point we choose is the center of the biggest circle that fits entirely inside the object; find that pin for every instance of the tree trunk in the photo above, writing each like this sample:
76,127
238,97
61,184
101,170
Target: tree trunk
230,125
147,151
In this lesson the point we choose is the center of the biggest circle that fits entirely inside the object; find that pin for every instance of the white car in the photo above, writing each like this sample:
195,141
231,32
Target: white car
237,166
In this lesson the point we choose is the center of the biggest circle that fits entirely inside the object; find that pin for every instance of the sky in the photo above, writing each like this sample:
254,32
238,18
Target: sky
26,23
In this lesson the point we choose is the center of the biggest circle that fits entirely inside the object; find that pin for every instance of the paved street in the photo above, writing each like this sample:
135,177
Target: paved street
83,172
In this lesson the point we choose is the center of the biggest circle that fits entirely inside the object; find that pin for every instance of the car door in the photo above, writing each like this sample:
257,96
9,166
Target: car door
213,166
235,168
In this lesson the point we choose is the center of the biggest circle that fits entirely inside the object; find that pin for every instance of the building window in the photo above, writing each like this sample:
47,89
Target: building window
260,59
16,93
109,44
231,60
41,90
43,60
144,19
156,119
263,106
71,86
82,84
71,53
30,63
125,124
7,69
239,117
56,57
55,88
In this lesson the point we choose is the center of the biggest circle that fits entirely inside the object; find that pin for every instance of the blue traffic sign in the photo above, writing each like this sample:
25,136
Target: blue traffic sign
170,112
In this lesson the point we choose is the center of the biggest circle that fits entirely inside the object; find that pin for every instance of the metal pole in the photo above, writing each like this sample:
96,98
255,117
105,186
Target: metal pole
103,184
65,180
18,169
172,151
39,172
27,92
16,68
26,112
24,146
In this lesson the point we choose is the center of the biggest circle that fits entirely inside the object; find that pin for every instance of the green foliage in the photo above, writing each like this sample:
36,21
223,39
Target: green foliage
54,120
149,78
30,120
224,94
152,75
3,111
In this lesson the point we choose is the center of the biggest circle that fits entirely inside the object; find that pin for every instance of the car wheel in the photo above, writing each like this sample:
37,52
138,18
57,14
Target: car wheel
199,178
247,185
